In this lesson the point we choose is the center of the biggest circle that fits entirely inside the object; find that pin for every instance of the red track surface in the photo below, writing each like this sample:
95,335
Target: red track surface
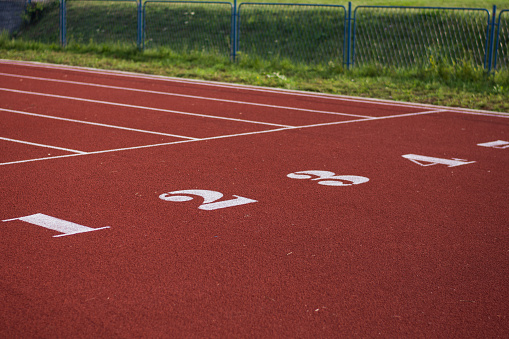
416,251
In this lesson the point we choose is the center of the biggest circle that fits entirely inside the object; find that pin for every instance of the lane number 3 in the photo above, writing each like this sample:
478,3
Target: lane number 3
328,178
210,199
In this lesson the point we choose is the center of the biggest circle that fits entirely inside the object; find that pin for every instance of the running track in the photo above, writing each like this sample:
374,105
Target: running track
144,206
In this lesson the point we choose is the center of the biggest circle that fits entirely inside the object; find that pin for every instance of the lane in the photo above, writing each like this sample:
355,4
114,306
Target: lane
246,94
68,134
148,108
415,251
21,78
159,100
126,116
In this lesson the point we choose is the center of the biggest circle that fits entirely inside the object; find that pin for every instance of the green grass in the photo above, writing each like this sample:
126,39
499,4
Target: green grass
439,81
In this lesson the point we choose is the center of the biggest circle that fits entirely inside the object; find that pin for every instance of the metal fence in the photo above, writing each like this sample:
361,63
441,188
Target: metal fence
501,57
405,36
304,33
188,26
101,21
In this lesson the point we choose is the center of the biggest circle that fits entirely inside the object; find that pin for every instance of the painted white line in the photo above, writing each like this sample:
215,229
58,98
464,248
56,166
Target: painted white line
491,114
90,70
377,118
184,95
232,136
268,131
38,159
43,145
142,107
96,124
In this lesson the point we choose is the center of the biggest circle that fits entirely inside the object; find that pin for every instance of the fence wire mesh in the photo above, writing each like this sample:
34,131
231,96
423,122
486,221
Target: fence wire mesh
188,26
22,18
301,33
409,36
102,22
502,43
11,14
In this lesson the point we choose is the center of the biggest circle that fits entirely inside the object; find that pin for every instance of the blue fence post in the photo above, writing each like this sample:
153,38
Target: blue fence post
348,36
492,38
496,40
139,29
233,33
63,23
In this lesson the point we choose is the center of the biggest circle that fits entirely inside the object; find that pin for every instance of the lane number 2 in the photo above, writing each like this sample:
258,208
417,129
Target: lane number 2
328,178
210,199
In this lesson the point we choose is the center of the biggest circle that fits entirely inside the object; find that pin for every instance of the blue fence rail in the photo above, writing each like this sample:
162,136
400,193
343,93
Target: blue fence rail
309,33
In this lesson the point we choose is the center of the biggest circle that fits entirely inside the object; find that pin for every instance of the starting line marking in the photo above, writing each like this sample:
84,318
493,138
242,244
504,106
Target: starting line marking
229,136
43,145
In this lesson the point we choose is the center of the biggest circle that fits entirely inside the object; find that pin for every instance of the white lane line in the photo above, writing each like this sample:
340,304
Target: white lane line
185,95
96,124
218,84
142,107
125,74
232,136
38,159
43,145
491,114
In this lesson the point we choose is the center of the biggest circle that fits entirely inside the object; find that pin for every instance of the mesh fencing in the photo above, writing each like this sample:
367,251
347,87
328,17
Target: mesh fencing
502,42
23,18
102,22
11,14
406,36
301,33
188,26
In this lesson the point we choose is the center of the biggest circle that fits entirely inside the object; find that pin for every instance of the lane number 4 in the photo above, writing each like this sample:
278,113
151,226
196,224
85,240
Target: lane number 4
495,144
425,161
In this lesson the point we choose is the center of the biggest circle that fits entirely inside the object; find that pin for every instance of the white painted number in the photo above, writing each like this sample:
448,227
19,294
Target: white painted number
422,160
495,144
329,178
55,224
209,199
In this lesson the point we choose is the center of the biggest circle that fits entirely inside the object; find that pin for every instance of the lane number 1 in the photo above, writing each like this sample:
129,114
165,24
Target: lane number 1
55,224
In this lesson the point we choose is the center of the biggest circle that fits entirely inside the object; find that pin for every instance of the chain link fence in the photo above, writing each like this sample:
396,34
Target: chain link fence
502,42
302,33
25,17
11,14
188,26
101,21
407,36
